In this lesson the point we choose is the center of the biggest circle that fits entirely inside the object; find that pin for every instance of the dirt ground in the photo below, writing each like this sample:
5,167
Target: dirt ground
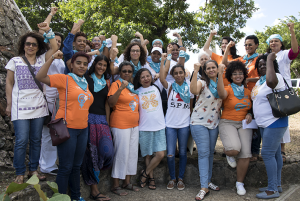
293,148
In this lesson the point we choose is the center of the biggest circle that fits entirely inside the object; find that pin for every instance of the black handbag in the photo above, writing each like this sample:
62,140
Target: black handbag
31,70
284,103
58,128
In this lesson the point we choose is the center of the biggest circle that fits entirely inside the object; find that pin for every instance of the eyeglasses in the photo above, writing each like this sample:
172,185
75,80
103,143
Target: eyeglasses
157,44
28,44
126,71
133,51
249,45
96,41
235,74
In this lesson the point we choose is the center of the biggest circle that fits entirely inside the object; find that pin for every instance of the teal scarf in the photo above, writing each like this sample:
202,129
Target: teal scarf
183,91
136,68
80,81
249,58
130,87
182,53
262,79
99,84
238,90
213,88
155,66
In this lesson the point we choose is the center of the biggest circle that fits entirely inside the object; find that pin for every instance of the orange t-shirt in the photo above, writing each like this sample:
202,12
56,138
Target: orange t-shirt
234,108
78,101
218,59
252,72
126,111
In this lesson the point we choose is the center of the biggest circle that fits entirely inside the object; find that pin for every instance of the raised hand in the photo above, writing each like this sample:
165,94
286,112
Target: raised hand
163,57
182,48
176,35
44,26
290,26
197,67
114,38
272,56
124,84
231,44
221,68
138,34
53,10
213,33
58,55
145,43
169,48
76,26
114,53
102,38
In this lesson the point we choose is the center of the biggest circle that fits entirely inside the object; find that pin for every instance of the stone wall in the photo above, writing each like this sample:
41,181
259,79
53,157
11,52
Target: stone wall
12,26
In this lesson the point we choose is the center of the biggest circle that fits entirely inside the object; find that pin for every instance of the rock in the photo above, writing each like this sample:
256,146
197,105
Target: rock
2,143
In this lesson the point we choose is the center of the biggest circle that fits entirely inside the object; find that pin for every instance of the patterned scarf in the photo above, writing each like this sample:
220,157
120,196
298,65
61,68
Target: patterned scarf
80,81
183,91
238,90
249,58
136,68
130,87
213,88
99,84
155,66
262,79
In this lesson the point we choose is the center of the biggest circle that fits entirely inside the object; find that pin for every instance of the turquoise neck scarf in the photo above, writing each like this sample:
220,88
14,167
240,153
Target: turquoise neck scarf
249,58
213,88
99,84
155,66
136,68
130,87
183,91
80,81
238,90
262,79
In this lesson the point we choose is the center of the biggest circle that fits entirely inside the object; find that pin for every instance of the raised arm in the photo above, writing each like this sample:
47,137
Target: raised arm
163,71
166,68
271,78
42,74
195,86
226,53
179,38
220,86
49,17
207,43
112,100
113,54
294,42
143,42
44,26
181,60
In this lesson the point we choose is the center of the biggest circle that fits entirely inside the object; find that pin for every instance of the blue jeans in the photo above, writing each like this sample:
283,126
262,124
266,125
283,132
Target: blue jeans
27,129
271,154
206,141
172,134
70,154
256,140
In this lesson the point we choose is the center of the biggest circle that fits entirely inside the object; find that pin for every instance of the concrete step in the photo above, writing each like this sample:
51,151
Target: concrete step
223,176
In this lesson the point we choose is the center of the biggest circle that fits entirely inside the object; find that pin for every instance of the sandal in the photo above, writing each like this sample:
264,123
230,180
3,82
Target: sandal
283,156
131,187
151,186
19,179
143,184
213,187
99,197
39,176
118,190
201,195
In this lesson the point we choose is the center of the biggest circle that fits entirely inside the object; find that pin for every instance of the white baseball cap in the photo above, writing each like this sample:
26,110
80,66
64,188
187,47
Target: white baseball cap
157,49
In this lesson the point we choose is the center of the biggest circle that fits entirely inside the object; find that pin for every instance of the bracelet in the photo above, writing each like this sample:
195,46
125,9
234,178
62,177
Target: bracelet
49,35
51,14
179,38
250,114
52,57
169,57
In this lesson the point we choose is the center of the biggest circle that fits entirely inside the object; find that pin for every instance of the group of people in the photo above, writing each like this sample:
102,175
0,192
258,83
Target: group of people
113,106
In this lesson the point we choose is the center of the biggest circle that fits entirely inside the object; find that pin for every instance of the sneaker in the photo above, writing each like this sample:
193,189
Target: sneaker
240,190
171,184
180,185
231,161
53,172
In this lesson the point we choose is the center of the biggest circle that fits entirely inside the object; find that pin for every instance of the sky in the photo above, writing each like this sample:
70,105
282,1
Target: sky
267,15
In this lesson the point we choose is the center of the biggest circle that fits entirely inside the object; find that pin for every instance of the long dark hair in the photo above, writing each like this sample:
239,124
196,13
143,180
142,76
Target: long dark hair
143,55
265,57
136,80
101,57
43,47
204,76
232,49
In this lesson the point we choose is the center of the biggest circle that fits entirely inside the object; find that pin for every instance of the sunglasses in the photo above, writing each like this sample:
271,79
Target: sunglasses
157,44
95,41
250,45
28,44
133,51
126,71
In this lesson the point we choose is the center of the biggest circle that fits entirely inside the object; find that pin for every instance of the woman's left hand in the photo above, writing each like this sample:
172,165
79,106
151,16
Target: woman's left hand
290,26
272,56
44,26
156,76
248,118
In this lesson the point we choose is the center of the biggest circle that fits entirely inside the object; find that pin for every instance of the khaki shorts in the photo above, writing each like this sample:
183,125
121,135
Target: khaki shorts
234,137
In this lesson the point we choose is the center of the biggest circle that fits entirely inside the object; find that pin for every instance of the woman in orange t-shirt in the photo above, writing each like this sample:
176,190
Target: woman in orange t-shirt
124,122
237,104
79,100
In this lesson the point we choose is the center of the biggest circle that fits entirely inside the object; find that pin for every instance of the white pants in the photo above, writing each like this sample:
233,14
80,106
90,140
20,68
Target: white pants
126,142
286,137
48,154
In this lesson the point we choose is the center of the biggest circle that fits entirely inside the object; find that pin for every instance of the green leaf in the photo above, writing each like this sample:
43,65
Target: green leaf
33,180
14,187
40,192
53,186
61,197
56,194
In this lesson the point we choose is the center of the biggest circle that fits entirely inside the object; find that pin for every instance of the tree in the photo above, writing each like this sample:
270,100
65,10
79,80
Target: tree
36,11
154,18
282,30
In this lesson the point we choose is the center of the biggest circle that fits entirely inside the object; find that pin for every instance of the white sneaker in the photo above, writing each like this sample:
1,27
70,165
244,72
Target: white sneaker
240,190
231,161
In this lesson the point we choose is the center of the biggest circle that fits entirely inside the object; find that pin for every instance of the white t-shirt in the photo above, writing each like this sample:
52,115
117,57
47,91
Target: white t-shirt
207,109
28,101
150,108
171,79
284,64
178,113
57,67
261,106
